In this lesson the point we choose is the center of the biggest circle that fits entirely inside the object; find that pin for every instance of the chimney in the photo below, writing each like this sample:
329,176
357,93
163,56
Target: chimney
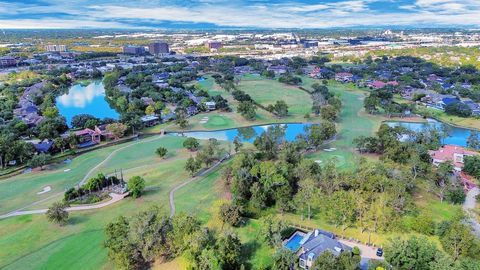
316,233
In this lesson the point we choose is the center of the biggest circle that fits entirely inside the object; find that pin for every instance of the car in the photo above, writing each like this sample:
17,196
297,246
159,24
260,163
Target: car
380,252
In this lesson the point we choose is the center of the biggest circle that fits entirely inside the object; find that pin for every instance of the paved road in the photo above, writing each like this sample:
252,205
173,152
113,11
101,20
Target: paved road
468,206
115,198
193,179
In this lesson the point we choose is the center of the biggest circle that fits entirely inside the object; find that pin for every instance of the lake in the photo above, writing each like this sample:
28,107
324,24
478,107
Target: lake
246,134
457,136
85,99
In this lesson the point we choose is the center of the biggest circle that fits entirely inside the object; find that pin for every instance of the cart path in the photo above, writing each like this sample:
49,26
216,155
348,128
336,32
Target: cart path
85,178
191,180
115,198
468,206
82,182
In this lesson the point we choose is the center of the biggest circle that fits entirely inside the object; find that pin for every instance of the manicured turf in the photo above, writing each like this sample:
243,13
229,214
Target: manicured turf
266,92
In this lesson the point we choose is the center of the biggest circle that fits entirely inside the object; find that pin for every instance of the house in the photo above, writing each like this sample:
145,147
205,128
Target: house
344,77
7,61
147,101
446,101
88,137
278,70
475,107
43,146
160,77
376,84
211,105
453,153
314,243
150,120
102,130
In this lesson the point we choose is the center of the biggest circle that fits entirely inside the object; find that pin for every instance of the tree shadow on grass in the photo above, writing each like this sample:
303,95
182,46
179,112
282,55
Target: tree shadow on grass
248,249
77,219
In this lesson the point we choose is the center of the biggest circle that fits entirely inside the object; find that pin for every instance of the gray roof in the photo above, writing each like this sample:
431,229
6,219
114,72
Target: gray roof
316,245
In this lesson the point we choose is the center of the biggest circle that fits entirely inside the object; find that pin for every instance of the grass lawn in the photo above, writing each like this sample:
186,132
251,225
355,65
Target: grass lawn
227,120
33,241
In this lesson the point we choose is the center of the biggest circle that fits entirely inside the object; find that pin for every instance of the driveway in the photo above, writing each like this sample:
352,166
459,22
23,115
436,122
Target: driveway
367,253
468,206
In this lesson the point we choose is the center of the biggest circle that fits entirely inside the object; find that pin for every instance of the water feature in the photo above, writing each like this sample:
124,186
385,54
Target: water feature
85,99
457,136
246,134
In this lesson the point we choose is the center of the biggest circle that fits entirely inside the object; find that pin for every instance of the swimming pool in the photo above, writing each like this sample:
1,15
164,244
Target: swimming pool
294,242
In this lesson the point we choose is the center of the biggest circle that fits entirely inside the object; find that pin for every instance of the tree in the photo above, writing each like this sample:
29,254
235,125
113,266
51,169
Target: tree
192,166
306,194
231,214
229,251
473,140
161,151
116,129
136,185
120,248
472,166
326,261
458,241
328,113
271,229
39,160
191,144
50,112
150,110
340,209
57,213
181,120
280,108
412,253
284,259
237,143
247,110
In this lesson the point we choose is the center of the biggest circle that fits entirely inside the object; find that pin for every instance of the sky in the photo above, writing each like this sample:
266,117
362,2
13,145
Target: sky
267,14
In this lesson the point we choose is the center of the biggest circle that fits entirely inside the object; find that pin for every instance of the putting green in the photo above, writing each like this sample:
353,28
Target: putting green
218,122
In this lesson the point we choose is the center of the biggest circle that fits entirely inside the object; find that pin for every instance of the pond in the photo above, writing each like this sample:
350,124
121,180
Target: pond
246,134
457,136
85,99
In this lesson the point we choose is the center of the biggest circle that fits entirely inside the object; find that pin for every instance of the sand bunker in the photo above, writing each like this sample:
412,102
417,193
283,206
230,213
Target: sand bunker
44,190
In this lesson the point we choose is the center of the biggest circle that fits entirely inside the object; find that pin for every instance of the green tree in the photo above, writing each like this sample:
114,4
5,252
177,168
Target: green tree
340,209
191,144
247,110
192,165
326,261
307,192
458,241
472,166
136,185
284,259
231,214
328,113
181,120
57,213
237,144
473,140
271,229
39,160
116,129
161,152
412,253
229,251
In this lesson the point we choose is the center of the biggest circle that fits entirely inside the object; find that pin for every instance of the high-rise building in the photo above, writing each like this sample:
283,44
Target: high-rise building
56,48
158,47
214,45
136,50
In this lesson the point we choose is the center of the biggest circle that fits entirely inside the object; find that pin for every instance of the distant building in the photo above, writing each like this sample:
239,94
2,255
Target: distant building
310,44
344,77
7,61
215,45
56,48
158,48
135,50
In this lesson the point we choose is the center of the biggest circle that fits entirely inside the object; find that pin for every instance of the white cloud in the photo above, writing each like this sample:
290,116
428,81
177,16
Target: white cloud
231,13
